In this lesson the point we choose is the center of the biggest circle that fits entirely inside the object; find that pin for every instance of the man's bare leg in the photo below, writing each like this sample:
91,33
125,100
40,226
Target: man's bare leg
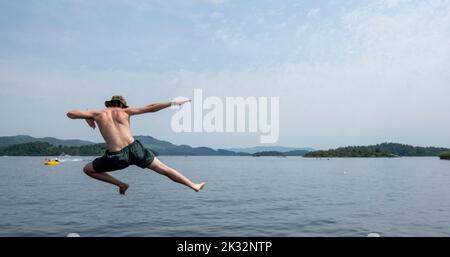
174,175
105,177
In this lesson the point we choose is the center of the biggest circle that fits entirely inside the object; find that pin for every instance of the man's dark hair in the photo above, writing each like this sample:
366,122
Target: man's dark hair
115,103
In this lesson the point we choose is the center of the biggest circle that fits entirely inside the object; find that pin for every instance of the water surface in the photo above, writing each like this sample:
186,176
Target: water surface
244,196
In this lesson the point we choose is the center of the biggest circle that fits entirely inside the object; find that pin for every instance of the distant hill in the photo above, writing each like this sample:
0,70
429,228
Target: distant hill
167,148
22,139
55,147
282,149
46,149
296,153
380,150
48,146
283,154
269,153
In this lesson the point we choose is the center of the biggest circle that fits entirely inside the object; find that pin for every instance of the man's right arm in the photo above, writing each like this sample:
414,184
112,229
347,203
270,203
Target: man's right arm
91,123
88,116
77,114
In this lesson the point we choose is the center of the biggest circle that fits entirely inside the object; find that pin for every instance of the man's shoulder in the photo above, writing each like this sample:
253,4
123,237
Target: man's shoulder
120,112
114,111
98,112
125,111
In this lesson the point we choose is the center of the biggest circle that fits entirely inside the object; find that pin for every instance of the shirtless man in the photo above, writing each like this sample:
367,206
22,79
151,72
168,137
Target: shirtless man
123,150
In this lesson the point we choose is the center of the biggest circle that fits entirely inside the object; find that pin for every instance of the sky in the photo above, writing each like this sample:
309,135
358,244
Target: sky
346,72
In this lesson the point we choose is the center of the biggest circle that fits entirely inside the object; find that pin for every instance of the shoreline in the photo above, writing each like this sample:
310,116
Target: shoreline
256,157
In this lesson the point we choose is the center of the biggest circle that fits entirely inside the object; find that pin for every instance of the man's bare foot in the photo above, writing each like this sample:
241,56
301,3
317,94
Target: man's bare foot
123,189
198,187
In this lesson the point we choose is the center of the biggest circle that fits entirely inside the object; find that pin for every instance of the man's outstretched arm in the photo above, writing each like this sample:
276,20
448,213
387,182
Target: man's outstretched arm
86,115
153,107
77,114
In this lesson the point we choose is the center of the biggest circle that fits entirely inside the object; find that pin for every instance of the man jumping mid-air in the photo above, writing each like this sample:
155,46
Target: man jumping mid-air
123,150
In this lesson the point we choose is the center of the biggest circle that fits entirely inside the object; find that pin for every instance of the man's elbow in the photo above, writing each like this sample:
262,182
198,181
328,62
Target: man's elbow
71,115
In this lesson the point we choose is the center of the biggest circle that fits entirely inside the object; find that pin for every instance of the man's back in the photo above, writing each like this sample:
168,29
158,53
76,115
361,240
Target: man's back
114,121
114,125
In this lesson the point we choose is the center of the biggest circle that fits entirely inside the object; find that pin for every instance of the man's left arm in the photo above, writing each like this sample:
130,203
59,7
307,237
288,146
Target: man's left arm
153,107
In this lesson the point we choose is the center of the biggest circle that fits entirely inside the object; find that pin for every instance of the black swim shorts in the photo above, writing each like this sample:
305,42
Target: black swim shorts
133,154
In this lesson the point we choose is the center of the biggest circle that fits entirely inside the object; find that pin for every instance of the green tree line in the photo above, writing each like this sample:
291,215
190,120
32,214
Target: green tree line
47,149
380,150
445,155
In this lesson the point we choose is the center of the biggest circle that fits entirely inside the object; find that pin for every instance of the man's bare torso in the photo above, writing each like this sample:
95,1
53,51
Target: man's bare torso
114,122
114,125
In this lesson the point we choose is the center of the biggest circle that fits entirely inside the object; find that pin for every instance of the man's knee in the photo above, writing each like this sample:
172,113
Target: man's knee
88,169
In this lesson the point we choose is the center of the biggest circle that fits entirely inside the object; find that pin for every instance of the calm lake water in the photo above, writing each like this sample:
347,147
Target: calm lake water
244,196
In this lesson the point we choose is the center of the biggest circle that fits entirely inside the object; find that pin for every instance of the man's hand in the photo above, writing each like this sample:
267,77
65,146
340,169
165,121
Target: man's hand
180,103
91,123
